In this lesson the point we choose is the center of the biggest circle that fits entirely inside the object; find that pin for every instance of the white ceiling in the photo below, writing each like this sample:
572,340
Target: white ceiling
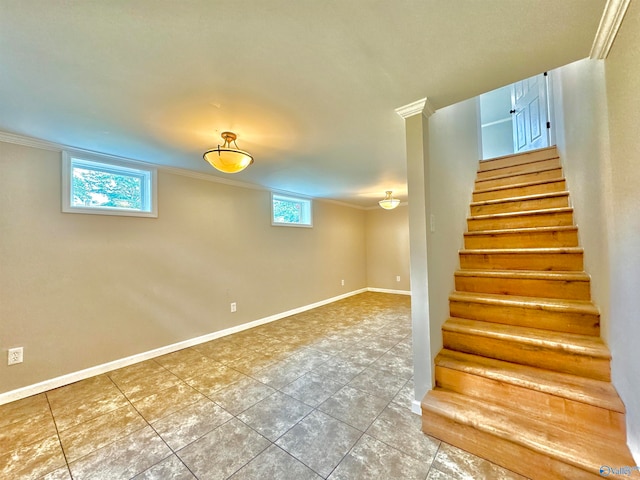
309,86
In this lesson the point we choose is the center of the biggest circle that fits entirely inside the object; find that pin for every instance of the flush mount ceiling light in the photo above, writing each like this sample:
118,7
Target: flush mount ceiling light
388,202
226,158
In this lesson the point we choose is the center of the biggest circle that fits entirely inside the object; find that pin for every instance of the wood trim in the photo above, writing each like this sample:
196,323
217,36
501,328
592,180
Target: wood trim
610,22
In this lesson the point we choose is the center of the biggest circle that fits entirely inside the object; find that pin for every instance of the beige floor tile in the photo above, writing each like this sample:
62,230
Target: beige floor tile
279,374
123,458
223,451
355,407
27,431
138,387
88,390
312,388
402,429
380,384
166,402
62,473
135,372
406,395
187,425
241,395
319,441
274,415
463,465
339,370
91,404
32,461
394,364
86,437
209,382
253,361
274,463
24,409
171,468
373,459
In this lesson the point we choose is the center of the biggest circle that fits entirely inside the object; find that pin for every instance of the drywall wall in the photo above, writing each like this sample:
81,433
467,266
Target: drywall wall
582,136
387,237
442,160
417,142
622,70
81,290
454,154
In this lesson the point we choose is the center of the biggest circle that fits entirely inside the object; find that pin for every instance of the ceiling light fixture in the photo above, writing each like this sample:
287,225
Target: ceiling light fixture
226,158
388,202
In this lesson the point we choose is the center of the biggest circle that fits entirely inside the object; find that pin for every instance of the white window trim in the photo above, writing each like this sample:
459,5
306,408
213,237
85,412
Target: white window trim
296,198
67,207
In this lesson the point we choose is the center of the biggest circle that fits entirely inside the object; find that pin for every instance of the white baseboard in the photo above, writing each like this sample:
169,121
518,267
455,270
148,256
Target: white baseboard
386,290
57,382
416,407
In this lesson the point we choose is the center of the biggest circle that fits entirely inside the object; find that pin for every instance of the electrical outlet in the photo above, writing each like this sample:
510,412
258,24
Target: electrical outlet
433,223
342,282
233,307
397,278
15,356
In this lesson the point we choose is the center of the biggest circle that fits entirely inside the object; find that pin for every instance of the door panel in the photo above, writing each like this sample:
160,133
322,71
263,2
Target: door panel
529,107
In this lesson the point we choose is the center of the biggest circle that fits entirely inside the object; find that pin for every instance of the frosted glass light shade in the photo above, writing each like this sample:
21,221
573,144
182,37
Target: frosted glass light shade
388,202
228,159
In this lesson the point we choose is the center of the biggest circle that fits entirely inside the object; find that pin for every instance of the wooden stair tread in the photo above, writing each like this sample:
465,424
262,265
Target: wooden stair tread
545,211
521,158
565,342
518,185
522,230
527,274
523,251
580,389
518,174
559,304
538,196
584,451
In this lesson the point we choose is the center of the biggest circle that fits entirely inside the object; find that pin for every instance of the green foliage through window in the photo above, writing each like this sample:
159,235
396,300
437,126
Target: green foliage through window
109,187
95,188
291,211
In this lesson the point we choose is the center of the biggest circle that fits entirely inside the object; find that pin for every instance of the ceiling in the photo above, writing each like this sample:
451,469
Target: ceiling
309,86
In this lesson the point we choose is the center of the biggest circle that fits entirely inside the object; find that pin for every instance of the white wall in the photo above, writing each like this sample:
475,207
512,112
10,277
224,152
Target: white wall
78,291
454,155
440,186
597,105
582,136
622,69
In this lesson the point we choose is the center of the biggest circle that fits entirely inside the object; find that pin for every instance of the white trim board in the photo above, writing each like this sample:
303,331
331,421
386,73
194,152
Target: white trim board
58,147
386,290
610,23
56,382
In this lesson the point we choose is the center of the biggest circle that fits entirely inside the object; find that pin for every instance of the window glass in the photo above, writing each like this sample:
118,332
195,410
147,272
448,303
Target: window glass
107,188
292,211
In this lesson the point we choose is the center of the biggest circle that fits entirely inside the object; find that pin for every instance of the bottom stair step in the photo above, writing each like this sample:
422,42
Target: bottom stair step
529,447
576,402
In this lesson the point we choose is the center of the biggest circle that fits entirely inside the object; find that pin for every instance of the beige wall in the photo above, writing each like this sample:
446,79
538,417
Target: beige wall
622,69
387,234
80,290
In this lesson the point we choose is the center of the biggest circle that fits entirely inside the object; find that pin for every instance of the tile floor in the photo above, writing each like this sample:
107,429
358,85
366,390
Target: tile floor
322,394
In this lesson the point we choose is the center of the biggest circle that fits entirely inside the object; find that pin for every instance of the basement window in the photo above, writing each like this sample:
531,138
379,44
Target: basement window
290,211
100,185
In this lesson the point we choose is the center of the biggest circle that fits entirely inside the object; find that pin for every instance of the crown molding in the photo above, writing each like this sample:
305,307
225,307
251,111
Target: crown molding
57,147
422,106
610,22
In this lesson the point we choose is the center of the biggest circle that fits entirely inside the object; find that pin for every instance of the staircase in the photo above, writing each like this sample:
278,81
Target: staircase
524,379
